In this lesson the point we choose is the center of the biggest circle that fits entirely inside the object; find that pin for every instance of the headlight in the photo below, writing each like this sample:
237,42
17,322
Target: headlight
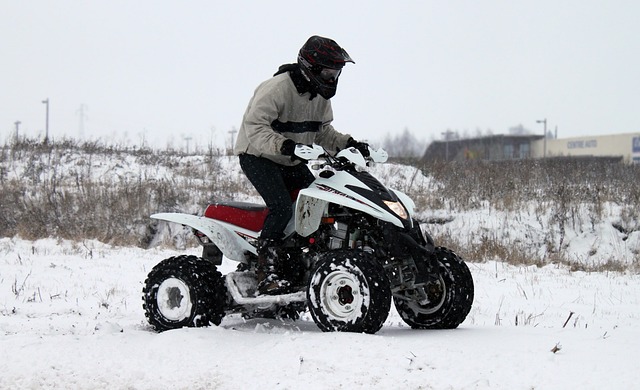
397,208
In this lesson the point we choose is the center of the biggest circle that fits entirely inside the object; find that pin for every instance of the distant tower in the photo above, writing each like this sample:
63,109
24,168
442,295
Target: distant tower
17,123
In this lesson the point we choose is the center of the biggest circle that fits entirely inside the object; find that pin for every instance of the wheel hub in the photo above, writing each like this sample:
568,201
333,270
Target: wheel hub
345,295
341,296
435,293
174,299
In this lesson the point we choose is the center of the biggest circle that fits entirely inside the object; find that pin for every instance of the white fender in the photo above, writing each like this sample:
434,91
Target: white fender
313,201
226,239
308,213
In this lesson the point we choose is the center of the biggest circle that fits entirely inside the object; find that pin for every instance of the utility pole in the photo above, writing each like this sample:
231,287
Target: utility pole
233,131
187,138
17,123
446,135
46,128
544,140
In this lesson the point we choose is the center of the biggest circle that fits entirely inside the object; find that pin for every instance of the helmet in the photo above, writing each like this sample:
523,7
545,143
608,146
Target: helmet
321,60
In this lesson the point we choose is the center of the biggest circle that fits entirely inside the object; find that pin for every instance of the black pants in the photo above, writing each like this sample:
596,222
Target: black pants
275,182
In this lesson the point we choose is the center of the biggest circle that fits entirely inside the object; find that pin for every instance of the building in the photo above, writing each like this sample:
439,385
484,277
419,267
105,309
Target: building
492,147
508,147
626,146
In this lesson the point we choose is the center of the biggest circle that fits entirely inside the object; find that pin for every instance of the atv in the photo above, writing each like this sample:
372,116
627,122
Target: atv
351,248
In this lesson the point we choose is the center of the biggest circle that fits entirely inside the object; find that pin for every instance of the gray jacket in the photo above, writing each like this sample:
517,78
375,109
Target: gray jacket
277,112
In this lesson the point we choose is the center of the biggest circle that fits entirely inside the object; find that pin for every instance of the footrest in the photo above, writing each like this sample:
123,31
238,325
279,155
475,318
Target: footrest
243,287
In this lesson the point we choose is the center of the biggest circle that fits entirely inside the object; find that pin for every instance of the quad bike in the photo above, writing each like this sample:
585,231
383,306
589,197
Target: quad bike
351,248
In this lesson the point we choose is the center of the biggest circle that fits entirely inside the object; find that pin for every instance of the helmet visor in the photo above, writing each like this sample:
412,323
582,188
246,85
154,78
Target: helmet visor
328,74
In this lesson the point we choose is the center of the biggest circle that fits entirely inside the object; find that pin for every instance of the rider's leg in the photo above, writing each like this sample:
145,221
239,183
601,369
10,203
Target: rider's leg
268,179
269,281
274,183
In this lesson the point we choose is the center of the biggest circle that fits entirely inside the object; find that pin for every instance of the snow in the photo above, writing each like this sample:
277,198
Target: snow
71,313
71,317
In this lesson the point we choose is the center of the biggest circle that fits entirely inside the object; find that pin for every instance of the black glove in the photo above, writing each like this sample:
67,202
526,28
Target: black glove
362,147
288,147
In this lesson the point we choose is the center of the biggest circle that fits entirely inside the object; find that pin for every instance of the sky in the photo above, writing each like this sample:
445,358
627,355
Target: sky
169,73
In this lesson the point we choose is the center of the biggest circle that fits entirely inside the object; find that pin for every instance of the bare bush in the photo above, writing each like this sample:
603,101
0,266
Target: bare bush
90,190
84,191
562,190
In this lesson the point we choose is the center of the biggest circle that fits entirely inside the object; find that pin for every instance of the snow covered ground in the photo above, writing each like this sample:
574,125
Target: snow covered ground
71,318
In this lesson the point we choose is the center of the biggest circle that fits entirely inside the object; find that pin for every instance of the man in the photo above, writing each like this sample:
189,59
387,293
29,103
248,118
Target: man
293,107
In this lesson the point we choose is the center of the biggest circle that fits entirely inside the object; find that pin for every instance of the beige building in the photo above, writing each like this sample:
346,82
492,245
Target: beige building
512,147
625,145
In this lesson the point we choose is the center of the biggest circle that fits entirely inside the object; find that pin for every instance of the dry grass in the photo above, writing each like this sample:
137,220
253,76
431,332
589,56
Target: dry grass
52,191
562,190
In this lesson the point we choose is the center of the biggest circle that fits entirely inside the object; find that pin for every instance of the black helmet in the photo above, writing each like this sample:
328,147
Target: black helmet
321,60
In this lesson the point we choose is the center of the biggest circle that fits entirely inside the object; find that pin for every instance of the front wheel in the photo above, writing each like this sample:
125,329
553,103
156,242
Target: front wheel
184,291
348,291
449,296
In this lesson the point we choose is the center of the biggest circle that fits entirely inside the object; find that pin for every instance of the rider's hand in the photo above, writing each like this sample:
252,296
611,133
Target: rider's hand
362,147
288,148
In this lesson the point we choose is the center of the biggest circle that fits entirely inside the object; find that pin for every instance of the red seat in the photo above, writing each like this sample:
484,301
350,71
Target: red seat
249,216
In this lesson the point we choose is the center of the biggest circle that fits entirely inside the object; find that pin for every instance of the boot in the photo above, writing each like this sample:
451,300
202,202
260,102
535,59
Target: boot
269,283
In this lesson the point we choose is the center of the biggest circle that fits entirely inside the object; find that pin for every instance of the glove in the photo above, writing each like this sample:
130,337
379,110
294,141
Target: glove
288,148
362,147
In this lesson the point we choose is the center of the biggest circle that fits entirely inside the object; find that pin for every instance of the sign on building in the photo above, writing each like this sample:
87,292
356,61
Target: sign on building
635,150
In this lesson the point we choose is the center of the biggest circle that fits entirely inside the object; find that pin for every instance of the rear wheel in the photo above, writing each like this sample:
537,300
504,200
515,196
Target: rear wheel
184,291
450,296
348,291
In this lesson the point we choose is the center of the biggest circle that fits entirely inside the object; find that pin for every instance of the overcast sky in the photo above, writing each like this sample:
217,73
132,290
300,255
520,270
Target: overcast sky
166,70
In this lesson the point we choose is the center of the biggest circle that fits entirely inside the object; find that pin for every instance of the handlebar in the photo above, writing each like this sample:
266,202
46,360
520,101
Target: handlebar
351,155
